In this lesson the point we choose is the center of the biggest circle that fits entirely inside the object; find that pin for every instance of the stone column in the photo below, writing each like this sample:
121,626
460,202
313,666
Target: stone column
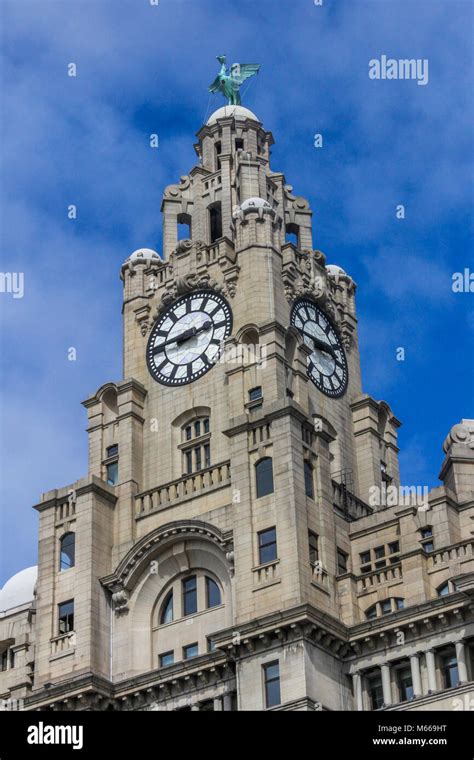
415,674
431,668
217,704
461,658
357,681
227,699
386,685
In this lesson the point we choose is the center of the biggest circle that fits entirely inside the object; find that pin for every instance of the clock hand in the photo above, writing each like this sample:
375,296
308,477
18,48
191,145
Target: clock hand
190,333
321,344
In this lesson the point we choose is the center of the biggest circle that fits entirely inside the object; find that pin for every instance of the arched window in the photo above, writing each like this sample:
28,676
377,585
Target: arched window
167,609
293,234
385,607
213,593
215,222
184,227
264,477
308,479
67,556
443,590
371,613
196,445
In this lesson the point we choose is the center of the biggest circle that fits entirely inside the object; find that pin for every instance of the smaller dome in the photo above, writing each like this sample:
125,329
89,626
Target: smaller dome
19,589
238,112
255,203
335,271
143,256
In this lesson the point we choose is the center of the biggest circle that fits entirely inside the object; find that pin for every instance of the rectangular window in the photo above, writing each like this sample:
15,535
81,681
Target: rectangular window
341,562
380,564
267,546
379,552
308,479
271,680
364,558
426,532
374,688
4,661
167,658
112,451
255,393
197,428
112,473
405,684
394,547
313,547
189,462
197,458
399,604
207,455
428,546
189,595
386,606
211,647
188,433
66,617
449,669
191,650
206,425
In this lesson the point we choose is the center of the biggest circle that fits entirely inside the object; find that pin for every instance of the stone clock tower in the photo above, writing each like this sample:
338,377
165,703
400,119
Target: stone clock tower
227,551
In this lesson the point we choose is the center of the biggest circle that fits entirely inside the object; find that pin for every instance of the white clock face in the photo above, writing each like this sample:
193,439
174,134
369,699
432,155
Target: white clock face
327,363
186,340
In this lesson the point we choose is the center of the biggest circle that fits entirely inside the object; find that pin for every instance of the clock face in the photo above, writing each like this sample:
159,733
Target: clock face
186,340
327,363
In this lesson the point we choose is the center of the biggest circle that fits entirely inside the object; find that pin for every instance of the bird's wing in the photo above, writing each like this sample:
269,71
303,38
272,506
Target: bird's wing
242,71
215,86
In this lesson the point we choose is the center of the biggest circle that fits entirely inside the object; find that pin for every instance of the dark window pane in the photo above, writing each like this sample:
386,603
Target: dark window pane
399,603
112,451
167,609
364,558
264,476
189,462
66,616
394,547
426,532
341,561
375,692
405,684
206,425
271,674
255,393
371,612
211,647
215,223
428,546
189,595
308,480
450,672
167,658
188,433
267,546
192,650
213,594
197,428
443,590
313,547
112,473
386,606
379,552
197,458
68,551
207,455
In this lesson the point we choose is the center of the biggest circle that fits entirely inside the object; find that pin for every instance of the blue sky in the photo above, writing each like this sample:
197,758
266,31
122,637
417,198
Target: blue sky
145,69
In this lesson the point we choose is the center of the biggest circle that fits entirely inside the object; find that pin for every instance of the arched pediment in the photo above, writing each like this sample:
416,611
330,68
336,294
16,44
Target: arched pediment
132,565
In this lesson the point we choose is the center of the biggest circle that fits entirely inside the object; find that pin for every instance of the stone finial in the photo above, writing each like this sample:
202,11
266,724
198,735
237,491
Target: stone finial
462,433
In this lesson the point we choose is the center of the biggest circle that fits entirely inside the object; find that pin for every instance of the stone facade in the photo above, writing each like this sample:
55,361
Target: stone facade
377,614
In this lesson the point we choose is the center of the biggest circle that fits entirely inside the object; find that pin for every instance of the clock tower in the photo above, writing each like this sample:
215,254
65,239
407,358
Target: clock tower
225,550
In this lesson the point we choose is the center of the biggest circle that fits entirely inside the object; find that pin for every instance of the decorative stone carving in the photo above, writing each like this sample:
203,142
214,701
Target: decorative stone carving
462,433
120,600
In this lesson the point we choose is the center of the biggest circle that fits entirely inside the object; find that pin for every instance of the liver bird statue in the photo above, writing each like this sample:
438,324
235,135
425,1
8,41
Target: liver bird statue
229,82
